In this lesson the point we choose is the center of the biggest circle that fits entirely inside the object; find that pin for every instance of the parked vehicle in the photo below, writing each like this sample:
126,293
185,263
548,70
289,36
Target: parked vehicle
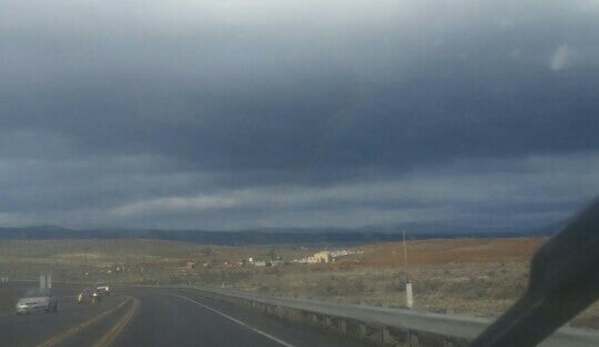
37,300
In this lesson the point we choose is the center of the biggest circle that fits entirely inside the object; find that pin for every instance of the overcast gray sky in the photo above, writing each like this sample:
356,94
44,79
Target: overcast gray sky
237,114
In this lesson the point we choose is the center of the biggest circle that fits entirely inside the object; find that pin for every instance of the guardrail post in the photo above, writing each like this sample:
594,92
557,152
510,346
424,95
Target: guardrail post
328,321
385,336
342,326
413,340
362,330
314,318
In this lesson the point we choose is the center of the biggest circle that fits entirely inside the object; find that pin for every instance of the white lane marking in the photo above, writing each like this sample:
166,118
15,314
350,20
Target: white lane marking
267,335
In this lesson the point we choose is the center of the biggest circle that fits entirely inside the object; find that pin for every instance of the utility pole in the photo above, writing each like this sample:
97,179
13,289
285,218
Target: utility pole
409,295
85,251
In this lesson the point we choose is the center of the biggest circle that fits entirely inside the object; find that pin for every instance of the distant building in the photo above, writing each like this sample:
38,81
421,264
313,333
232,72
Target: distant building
322,257
259,262
312,260
276,262
327,256
190,266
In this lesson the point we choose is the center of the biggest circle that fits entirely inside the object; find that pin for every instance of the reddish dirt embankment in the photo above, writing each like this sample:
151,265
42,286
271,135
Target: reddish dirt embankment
447,251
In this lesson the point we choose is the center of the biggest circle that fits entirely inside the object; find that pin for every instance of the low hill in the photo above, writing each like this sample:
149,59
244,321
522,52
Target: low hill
274,236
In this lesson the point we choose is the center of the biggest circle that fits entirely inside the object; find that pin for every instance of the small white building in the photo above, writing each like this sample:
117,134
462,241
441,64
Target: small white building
320,257
259,262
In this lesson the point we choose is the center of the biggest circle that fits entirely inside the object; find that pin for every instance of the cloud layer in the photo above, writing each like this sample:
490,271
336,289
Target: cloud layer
230,114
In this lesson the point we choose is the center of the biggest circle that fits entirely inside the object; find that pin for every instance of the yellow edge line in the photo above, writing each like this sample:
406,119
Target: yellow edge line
73,330
116,330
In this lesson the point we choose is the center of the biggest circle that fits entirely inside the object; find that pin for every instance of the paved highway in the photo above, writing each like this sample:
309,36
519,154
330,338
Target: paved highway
34,329
156,318
181,317
169,318
416,321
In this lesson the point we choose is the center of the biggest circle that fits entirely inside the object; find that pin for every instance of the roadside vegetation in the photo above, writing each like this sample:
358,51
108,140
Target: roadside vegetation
477,277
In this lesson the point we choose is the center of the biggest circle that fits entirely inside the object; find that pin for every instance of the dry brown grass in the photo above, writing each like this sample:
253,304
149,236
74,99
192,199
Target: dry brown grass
480,277
449,251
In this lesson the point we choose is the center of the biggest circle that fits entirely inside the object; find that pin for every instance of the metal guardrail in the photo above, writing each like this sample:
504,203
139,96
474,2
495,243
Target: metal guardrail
433,323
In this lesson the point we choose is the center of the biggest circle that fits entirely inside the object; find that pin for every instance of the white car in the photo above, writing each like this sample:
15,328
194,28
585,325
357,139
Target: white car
103,288
37,300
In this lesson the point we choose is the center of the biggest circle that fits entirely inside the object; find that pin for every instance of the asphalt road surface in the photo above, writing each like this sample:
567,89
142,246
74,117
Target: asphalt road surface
157,318
168,318
33,329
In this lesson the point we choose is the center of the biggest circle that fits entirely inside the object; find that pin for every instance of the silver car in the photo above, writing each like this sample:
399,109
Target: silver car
37,300
103,288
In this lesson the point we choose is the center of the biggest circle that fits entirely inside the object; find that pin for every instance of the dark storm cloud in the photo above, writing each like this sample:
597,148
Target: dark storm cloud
152,115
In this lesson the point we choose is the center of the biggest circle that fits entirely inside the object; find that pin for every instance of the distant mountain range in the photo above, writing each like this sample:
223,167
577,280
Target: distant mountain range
274,236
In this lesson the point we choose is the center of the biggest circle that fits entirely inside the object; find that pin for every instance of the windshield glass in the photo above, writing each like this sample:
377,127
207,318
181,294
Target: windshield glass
401,157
